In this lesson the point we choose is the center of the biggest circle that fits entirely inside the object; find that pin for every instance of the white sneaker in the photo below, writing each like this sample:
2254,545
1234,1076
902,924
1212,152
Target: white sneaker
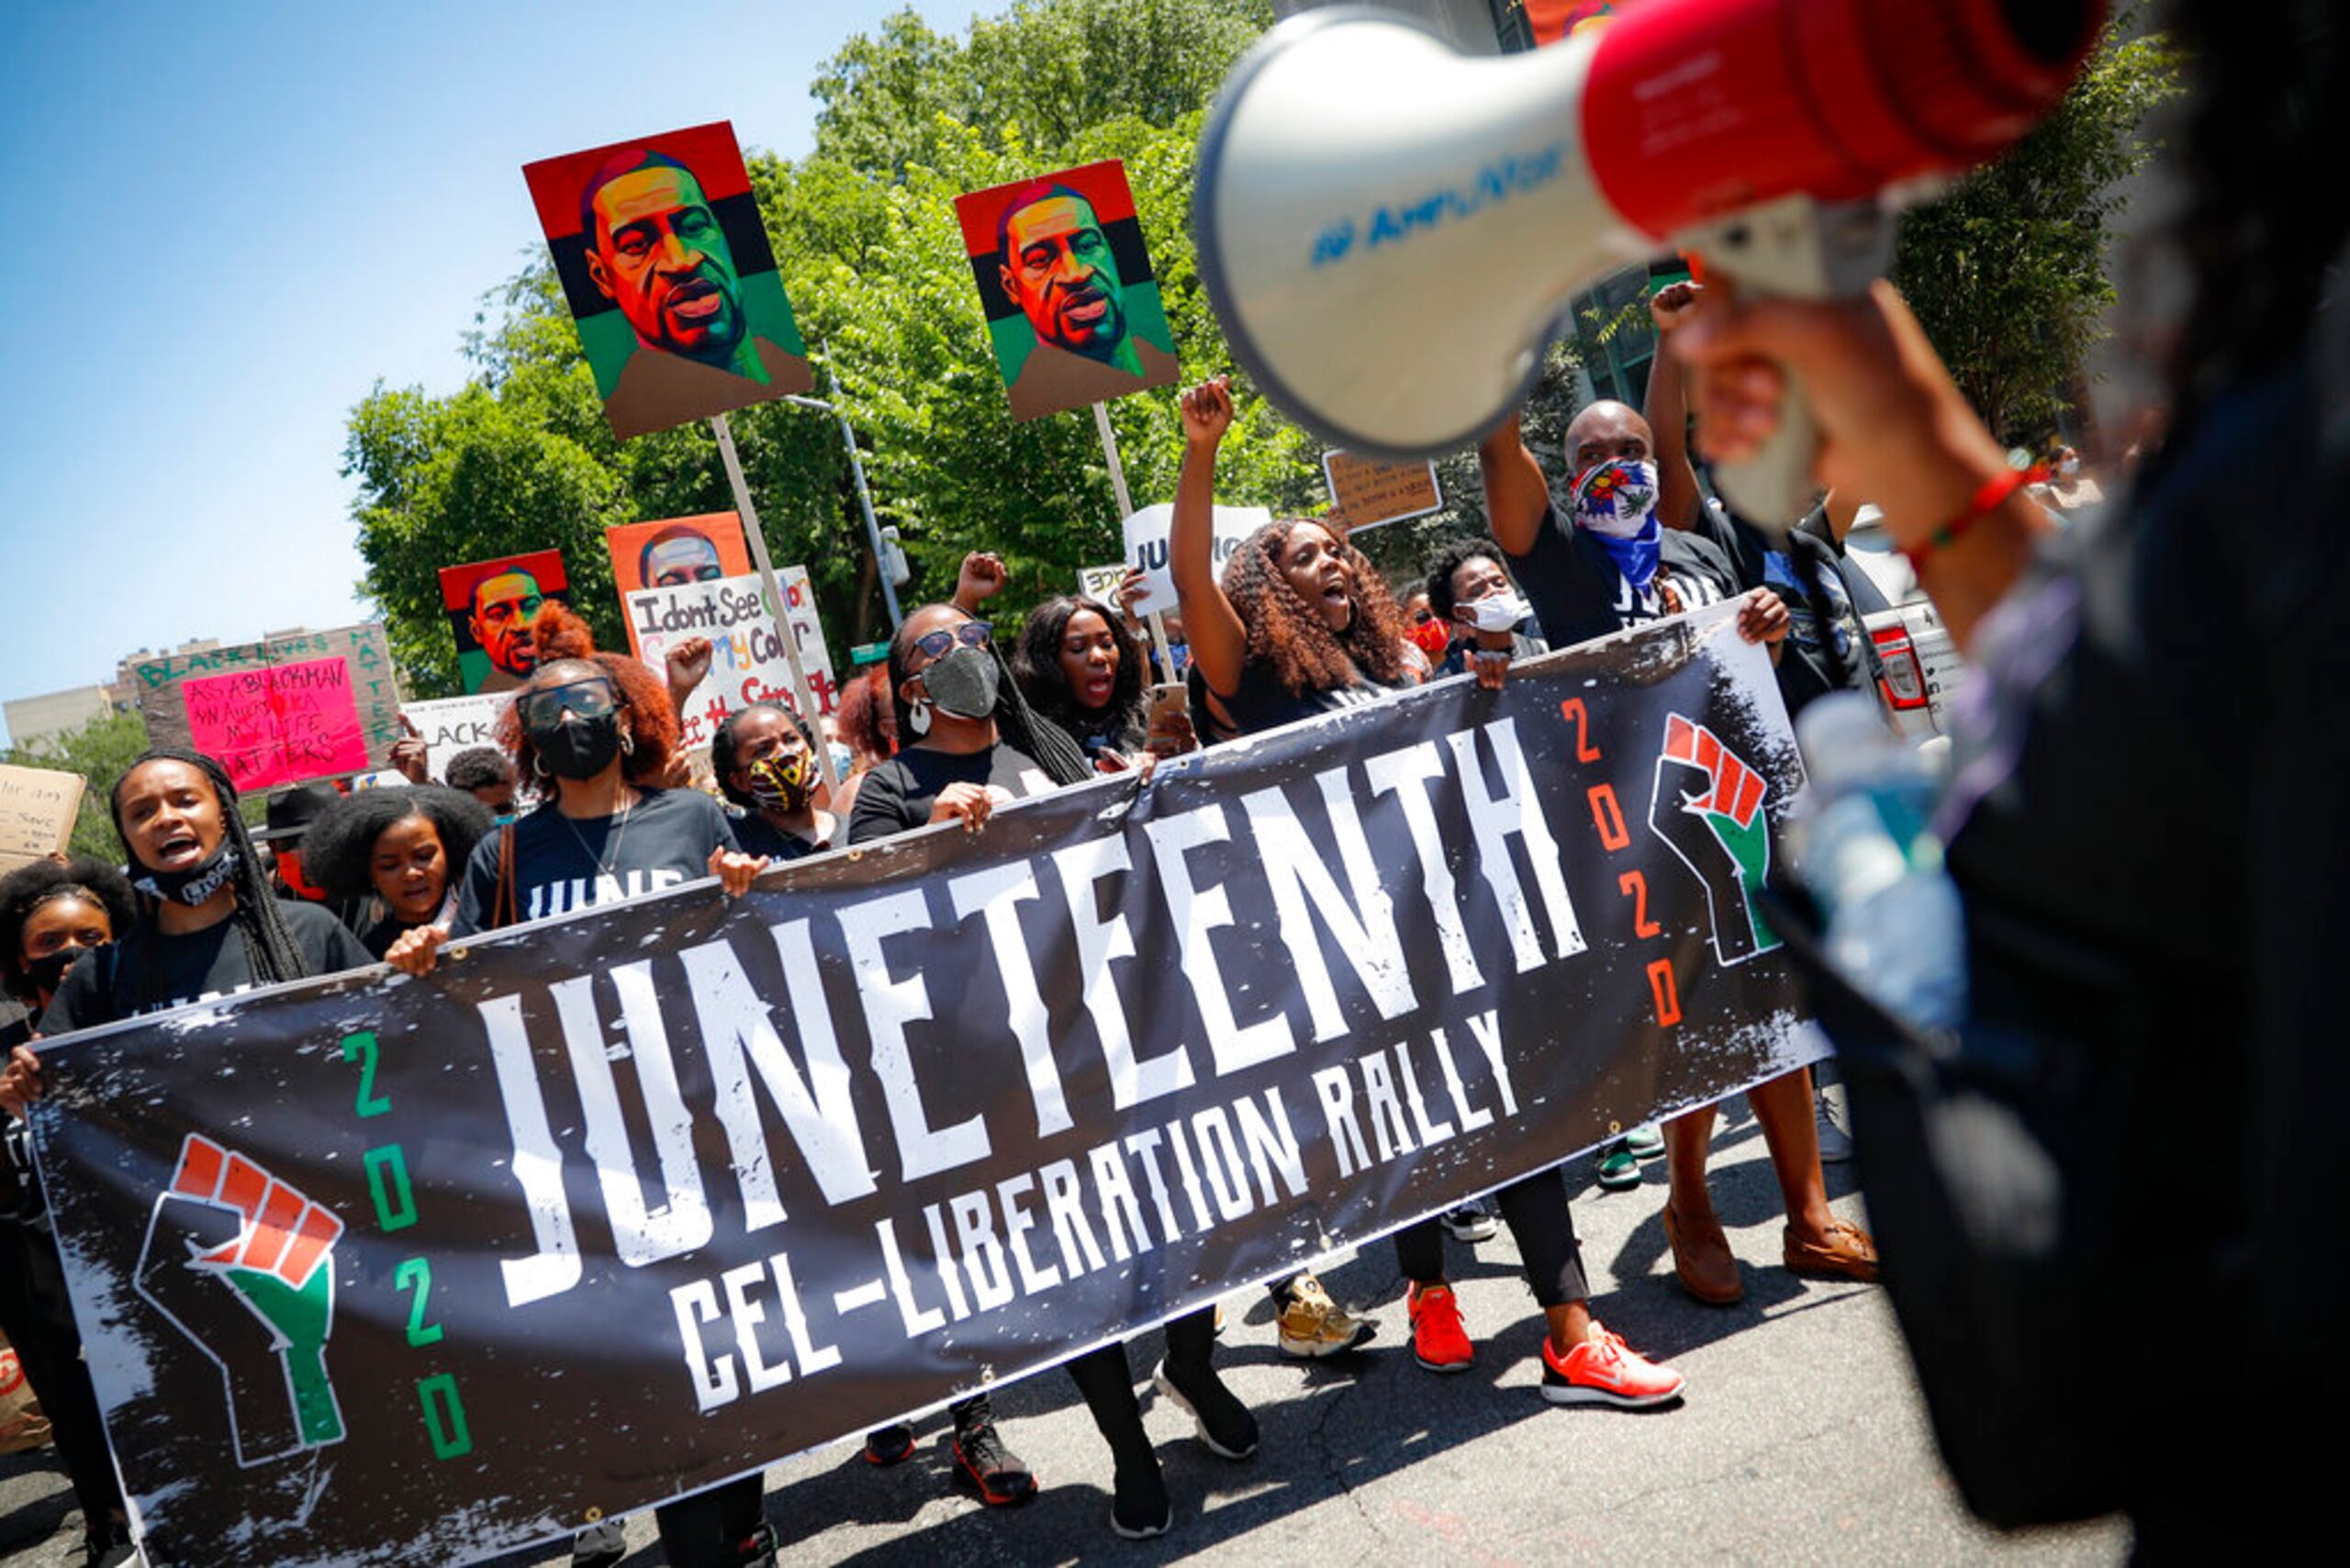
1835,1143
1471,1222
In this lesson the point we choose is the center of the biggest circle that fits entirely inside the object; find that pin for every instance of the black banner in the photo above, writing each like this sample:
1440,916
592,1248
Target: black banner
620,1206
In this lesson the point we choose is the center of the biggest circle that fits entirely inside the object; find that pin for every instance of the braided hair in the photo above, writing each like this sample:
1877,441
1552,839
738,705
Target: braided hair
28,888
1051,747
270,951
1290,635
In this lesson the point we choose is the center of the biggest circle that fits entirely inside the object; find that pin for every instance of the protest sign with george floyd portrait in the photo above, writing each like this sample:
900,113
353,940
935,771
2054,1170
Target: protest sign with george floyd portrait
1072,307
670,277
620,1205
490,606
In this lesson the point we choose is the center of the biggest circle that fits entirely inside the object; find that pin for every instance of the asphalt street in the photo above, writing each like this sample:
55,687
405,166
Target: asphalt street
1801,1441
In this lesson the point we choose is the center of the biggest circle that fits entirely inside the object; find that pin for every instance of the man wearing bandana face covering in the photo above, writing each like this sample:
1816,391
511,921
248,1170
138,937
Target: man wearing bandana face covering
1606,565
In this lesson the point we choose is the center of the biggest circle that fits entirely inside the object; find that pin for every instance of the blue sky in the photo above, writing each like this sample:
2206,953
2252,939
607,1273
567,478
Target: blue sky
232,219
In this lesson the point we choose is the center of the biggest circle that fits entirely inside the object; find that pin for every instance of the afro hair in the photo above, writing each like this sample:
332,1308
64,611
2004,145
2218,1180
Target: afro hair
342,842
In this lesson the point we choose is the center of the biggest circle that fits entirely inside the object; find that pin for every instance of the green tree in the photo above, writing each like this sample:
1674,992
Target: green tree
2006,273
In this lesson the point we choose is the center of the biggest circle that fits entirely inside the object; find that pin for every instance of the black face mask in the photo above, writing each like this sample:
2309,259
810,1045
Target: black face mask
580,748
48,972
963,683
194,885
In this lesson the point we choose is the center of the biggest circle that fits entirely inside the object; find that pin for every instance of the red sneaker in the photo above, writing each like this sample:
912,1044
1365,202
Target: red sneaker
1603,1370
1438,1341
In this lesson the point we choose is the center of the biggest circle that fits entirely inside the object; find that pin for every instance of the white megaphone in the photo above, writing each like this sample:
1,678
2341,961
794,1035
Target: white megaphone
1389,231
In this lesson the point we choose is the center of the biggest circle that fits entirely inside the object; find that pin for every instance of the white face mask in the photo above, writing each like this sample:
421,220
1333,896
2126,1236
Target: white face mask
2070,466
1497,611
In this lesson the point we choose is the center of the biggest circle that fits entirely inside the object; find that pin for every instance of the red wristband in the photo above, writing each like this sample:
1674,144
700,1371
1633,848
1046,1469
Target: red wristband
1986,498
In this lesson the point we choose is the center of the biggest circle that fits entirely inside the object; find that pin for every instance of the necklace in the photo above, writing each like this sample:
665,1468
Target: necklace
603,863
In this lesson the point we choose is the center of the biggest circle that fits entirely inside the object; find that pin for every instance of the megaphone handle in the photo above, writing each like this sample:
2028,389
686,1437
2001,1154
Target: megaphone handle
1792,248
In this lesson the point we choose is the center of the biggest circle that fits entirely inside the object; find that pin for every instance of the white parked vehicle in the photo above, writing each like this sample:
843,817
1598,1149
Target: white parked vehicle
1921,664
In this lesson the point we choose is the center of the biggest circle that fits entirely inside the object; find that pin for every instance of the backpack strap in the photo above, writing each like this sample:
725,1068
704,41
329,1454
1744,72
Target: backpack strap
503,909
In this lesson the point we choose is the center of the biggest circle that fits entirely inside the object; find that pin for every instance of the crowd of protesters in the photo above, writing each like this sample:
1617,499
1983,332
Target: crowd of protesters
588,796
2118,934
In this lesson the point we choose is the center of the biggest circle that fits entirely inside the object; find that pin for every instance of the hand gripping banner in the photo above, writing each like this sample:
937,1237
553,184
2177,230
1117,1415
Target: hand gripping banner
618,1206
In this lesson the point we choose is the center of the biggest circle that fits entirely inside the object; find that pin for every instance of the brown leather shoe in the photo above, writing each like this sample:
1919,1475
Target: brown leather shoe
1849,1254
1703,1263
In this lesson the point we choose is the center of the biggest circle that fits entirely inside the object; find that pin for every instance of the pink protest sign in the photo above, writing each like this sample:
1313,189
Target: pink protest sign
278,724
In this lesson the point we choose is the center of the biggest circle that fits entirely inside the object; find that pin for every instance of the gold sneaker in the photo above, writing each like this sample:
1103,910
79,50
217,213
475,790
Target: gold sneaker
1313,1325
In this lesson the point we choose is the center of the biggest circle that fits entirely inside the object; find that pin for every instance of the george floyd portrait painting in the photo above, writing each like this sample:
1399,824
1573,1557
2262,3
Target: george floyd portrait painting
490,606
672,551
670,277
1071,305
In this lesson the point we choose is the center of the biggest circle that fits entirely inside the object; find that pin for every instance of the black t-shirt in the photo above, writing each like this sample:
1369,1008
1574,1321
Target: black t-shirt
896,796
1262,702
562,864
148,971
759,836
1805,670
1578,593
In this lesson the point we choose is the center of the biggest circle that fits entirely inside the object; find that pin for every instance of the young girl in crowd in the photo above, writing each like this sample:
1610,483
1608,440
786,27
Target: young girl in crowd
765,762
401,848
594,730
1303,624
52,912
975,742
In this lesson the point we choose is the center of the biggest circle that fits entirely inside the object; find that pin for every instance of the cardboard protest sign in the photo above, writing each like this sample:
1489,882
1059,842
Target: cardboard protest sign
1101,582
456,724
747,663
1146,548
490,606
1073,308
1366,492
670,278
38,806
673,549
314,705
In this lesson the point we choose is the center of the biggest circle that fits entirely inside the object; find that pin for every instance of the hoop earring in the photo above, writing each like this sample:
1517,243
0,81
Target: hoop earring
539,765
918,717
628,743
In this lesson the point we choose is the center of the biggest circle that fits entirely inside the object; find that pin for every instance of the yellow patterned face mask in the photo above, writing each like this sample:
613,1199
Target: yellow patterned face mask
783,783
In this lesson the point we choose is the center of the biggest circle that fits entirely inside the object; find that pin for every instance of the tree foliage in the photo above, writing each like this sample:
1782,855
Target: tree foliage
2006,273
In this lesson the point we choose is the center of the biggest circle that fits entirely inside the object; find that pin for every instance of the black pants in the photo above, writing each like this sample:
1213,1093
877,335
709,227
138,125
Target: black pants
1105,1378
38,1323
1536,1212
706,1529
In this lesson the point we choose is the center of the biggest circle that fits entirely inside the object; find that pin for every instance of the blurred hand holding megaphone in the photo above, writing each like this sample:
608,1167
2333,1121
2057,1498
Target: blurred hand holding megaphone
1389,231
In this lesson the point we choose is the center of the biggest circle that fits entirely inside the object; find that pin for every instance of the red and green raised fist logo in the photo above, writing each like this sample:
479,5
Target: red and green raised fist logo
1708,809
242,1265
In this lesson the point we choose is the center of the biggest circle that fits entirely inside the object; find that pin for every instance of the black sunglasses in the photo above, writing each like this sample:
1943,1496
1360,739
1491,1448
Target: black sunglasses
970,634
543,709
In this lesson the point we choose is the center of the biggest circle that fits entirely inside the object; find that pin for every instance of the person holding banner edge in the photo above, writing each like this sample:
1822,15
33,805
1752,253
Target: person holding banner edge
1606,566
53,914
952,693
596,729
765,758
1299,572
